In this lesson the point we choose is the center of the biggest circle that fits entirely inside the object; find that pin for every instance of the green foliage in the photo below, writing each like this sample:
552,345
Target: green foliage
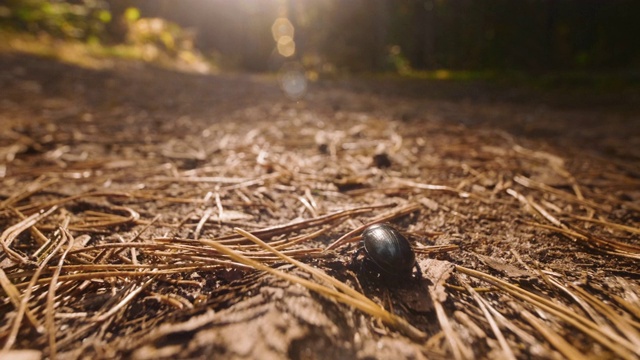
131,14
83,20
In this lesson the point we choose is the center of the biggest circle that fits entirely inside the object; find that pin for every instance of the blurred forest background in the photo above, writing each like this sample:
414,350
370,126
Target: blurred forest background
336,36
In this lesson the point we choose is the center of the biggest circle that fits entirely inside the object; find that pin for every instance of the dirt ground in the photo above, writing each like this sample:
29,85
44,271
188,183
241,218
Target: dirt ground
117,184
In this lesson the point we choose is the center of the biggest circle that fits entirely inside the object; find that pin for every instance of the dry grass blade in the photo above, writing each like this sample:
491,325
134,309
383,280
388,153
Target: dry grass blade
14,296
621,323
112,274
598,244
199,179
580,301
39,206
567,232
553,338
511,326
347,296
629,229
23,355
389,318
39,236
367,306
302,224
29,190
299,239
447,329
605,245
431,187
613,342
395,213
484,306
24,303
528,183
168,199
556,163
439,272
51,294
435,249
319,274
631,308
203,220
12,232
100,219
126,300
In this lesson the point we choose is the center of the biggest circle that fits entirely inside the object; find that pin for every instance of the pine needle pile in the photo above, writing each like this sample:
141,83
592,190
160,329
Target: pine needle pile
233,236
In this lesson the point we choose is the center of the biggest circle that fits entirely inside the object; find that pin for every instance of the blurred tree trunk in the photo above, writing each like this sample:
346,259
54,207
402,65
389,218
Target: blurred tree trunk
382,22
428,35
550,31
117,27
423,55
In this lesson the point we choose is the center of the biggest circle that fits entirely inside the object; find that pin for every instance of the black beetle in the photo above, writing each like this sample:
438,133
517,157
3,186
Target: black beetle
389,250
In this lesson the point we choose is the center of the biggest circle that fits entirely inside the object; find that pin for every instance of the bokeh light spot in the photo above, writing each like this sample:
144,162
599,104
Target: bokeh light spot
293,81
286,46
280,28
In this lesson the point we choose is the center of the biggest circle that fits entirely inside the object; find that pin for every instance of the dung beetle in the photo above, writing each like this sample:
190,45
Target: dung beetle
389,250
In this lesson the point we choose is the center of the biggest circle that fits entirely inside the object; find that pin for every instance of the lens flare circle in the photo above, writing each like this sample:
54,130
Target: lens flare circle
293,80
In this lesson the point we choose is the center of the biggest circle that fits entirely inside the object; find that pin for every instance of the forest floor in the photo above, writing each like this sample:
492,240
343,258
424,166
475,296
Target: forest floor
123,187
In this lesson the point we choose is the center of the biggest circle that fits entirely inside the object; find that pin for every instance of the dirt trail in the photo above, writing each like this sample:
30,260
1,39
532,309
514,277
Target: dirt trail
138,164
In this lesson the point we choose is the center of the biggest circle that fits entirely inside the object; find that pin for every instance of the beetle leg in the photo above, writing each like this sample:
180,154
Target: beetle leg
418,271
354,258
